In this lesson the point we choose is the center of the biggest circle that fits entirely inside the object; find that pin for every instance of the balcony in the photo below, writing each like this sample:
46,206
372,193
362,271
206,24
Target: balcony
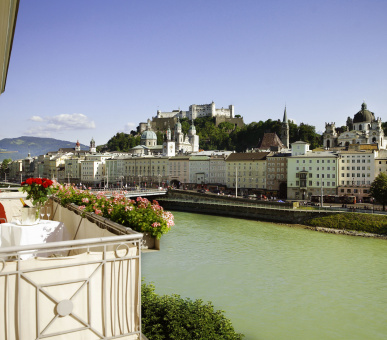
87,288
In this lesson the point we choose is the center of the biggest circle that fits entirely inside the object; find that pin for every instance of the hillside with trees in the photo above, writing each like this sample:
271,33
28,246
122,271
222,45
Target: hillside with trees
224,136
19,148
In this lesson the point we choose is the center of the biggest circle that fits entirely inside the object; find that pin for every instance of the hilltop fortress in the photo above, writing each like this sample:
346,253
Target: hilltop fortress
164,119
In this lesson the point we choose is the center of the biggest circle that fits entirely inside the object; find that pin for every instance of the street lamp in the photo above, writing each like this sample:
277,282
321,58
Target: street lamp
159,179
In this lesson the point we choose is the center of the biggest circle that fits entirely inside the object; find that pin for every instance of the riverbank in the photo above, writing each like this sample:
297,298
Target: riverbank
346,232
329,221
366,225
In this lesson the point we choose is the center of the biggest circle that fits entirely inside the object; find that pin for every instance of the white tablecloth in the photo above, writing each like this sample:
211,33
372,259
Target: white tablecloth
13,234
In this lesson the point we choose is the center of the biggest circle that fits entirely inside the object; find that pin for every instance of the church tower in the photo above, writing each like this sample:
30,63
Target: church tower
169,149
193,138
77,146
285,130
92,146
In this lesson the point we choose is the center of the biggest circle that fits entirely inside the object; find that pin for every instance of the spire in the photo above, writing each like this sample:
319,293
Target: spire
285,120
285,130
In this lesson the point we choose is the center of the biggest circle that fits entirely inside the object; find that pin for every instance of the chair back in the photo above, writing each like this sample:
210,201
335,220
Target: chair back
3,216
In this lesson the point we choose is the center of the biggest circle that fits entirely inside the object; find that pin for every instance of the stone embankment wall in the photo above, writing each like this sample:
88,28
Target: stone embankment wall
181,200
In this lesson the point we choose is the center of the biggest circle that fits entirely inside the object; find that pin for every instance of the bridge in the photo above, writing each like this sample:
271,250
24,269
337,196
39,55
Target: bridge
133,192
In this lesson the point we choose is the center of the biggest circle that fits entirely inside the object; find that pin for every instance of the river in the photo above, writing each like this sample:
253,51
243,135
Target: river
274,281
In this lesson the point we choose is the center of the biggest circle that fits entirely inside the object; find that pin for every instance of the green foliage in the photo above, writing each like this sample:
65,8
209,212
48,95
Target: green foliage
122,142
306,133
378,189
370,223
160,137
4,165
225,136
384,126
171,317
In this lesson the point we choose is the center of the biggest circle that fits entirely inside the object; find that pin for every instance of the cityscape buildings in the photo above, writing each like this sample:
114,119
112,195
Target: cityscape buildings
346,166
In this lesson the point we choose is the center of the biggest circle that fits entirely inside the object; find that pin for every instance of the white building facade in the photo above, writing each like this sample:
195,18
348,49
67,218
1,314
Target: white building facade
311,173
196,111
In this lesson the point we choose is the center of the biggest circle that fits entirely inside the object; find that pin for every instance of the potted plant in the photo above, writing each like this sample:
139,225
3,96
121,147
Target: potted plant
38,192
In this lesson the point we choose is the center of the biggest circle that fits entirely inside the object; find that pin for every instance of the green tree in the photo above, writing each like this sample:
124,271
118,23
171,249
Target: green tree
172,317
4,166
123,142
378,189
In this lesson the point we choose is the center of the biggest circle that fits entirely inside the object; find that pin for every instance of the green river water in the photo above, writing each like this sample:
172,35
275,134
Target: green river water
274,281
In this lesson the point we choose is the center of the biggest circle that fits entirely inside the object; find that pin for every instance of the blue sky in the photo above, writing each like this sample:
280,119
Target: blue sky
83,69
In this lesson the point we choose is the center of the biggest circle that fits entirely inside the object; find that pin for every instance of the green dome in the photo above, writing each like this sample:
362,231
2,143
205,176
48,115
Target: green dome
364,115
148,135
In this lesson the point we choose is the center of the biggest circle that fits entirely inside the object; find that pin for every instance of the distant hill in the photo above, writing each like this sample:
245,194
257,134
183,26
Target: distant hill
18,148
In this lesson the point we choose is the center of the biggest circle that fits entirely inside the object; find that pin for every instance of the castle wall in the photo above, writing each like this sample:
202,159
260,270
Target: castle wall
236,121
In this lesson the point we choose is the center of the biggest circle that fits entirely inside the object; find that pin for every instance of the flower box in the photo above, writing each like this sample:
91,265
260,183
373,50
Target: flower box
75,218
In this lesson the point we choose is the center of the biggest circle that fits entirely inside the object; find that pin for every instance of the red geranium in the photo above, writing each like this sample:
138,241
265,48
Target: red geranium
38,189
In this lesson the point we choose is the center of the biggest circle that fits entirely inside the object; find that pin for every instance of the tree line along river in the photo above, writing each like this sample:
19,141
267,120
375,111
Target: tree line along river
274,281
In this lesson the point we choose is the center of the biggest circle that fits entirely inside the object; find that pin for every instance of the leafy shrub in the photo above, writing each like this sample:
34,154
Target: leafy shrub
376,224
171,317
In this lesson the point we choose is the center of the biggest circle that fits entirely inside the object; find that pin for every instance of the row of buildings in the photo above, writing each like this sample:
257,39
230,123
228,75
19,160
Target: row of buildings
297,173
273,169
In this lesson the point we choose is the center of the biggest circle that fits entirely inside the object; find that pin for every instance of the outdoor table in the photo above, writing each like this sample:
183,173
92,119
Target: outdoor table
15,234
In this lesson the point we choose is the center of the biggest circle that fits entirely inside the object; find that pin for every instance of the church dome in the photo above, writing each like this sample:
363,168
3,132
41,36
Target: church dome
148,135
364,115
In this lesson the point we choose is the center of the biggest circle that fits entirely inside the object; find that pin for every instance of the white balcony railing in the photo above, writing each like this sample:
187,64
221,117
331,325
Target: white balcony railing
91,290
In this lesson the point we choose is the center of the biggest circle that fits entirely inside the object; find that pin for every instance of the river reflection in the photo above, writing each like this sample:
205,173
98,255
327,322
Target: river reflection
273,281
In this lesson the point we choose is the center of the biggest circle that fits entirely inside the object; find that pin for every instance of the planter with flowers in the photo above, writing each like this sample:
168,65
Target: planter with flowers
38,192
140,215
